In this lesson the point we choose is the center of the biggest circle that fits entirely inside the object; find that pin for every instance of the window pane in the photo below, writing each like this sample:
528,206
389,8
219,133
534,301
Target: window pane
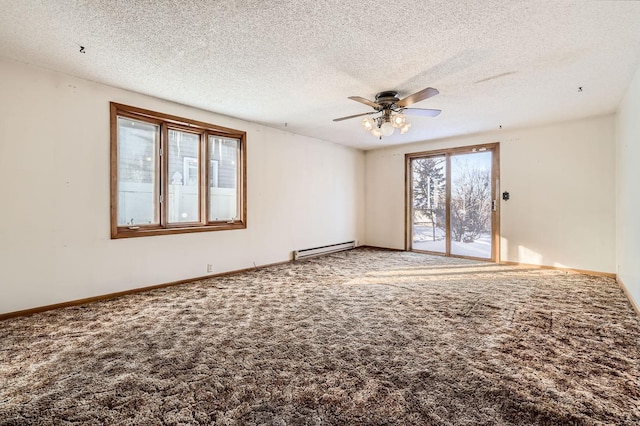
429,197
471,210
137,177
182,202
223,178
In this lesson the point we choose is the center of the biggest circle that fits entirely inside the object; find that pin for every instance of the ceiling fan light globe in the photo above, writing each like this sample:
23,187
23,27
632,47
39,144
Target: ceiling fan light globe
376,132
368,123
399,121
387,128
405,128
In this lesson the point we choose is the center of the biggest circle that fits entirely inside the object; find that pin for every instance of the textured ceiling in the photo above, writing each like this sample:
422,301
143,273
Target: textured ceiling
276,61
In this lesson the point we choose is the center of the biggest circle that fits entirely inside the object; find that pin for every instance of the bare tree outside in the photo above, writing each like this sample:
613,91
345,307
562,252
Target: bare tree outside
470,203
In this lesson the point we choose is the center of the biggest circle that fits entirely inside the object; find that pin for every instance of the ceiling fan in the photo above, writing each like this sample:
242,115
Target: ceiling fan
392,110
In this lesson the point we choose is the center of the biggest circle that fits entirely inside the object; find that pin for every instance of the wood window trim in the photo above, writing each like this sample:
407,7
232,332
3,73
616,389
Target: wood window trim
166,122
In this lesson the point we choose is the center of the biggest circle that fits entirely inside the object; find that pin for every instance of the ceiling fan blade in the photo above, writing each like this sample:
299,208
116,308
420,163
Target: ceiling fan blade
354,116
422,112
418,96
364,101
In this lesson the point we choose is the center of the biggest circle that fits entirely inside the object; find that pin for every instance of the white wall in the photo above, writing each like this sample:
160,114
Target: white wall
54,208
628,189
561,179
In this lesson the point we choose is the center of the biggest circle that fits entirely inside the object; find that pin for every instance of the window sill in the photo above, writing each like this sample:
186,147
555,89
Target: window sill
125,232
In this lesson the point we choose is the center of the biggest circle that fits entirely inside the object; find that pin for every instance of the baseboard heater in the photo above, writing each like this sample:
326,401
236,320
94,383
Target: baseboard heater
317,251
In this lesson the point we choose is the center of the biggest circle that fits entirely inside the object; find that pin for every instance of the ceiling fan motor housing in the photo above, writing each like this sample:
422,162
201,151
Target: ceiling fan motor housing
387,98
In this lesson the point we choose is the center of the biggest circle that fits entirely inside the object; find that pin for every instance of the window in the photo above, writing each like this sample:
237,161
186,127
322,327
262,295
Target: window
174,175
451,202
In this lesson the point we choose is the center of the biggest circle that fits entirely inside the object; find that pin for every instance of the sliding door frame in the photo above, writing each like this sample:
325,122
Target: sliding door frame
495,191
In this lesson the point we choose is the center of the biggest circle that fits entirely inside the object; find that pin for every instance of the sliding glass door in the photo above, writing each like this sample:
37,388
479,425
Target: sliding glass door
452,207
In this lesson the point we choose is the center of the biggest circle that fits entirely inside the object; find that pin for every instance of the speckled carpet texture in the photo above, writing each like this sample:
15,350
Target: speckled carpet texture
363,337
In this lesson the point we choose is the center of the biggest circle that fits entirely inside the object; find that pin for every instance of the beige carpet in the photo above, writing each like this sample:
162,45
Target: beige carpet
367,337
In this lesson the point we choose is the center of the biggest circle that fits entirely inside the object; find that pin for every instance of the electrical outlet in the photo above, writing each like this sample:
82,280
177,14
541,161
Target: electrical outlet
209,267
